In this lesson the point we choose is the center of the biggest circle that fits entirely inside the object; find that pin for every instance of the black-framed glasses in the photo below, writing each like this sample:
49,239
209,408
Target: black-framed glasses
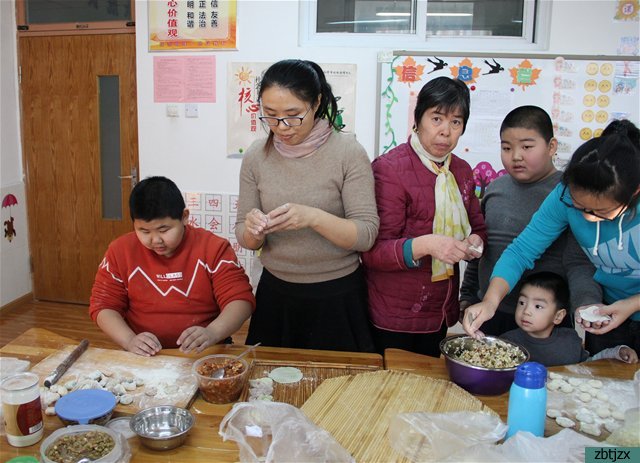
564,201
289,121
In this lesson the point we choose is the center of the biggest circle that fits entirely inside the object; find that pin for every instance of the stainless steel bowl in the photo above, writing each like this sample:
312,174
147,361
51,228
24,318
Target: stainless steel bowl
473,378
162,428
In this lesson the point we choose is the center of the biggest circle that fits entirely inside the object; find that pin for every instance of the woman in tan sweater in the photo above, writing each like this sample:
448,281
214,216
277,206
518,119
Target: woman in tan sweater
307,202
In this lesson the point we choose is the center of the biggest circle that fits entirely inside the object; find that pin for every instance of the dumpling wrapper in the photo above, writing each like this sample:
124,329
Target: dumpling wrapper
286,375
589,315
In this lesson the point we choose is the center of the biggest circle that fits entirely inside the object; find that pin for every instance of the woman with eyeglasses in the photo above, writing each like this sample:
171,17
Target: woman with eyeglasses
598,199
307,204
430,220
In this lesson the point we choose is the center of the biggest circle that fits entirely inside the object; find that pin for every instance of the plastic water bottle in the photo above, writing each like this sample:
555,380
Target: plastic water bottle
528,400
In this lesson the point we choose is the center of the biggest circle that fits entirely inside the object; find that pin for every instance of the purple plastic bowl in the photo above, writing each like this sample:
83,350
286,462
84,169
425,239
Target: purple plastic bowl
478,380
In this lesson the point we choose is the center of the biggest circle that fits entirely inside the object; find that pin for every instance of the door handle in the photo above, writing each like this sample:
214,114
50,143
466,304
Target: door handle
133,176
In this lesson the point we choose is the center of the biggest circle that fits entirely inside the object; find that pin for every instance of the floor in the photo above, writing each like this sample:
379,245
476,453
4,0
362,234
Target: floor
70,320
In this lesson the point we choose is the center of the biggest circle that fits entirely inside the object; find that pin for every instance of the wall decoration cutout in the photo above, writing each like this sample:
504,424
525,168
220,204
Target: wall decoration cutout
9,226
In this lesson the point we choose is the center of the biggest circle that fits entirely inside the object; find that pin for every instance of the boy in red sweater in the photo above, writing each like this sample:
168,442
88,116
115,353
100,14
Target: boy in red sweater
167,284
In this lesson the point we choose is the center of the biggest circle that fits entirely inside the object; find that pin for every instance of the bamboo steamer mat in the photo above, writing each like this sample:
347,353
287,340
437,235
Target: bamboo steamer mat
313,374
171,376
356,410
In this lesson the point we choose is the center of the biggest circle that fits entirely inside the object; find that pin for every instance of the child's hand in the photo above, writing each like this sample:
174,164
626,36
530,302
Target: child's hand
146,344
628,355
196,338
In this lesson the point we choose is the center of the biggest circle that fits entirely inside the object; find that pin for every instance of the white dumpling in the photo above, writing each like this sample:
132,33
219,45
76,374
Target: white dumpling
126,399
553,413
566,388
603,412
593,429
617,415
575,381
565,422
584,387
612,426
596,383
602,396
554,375
584,417
584,396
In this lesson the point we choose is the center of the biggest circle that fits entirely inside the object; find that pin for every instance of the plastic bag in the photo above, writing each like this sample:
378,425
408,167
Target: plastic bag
566,446
423,436
278,432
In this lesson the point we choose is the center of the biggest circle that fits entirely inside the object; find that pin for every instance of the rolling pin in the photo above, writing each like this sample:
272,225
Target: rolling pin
66,363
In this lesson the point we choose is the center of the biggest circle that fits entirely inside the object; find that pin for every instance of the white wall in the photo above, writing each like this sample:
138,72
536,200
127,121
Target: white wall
15,277
193,151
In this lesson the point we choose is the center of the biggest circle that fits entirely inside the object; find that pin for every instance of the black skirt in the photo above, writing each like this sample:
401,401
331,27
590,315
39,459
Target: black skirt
330,315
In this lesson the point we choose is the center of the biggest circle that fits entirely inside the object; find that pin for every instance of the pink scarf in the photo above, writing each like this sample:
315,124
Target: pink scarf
318,135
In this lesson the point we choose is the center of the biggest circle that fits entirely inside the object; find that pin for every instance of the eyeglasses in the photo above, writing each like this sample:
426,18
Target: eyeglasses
564,201
289,121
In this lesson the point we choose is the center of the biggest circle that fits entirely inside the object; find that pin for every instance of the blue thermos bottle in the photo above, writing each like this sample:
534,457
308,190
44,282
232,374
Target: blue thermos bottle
528,400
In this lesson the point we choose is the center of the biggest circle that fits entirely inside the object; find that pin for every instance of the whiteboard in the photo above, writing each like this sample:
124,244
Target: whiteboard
581,94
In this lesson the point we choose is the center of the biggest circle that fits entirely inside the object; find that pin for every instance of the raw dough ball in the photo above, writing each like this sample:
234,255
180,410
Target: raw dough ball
617,415
603,412
553,413
126,399
595,383
575,381
565,422
602,396
593,429
566,388
585,397
151,391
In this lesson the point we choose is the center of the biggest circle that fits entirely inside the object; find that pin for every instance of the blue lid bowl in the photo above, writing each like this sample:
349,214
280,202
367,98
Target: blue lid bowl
86,406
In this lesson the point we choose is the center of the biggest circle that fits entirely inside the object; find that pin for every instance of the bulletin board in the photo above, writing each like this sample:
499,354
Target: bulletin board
581,94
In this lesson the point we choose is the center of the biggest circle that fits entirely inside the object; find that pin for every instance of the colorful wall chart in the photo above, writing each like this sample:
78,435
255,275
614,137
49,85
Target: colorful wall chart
581,95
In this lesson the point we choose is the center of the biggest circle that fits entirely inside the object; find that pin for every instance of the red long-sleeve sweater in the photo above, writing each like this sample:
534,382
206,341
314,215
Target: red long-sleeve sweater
167,295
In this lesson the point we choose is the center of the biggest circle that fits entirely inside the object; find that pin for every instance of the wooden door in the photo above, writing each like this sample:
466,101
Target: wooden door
61,111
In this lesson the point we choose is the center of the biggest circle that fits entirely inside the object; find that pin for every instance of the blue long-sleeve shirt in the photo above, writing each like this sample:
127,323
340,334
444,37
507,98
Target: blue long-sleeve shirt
612,246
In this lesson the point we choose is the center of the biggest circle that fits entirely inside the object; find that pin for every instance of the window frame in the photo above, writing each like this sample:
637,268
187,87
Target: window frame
535,36
72,28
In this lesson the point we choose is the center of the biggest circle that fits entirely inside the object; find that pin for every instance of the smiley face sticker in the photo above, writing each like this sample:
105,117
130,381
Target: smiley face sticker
592,69
603,101
589,100
590,85
588,115
606,69
602,117
597,133
604,86
586,133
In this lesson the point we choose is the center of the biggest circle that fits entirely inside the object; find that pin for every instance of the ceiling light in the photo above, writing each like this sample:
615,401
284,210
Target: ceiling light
391,13
449,14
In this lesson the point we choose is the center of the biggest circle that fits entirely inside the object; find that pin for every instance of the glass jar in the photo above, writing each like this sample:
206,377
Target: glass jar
21,409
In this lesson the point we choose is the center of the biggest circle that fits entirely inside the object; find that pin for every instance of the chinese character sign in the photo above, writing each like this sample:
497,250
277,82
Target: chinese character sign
243,107
192,24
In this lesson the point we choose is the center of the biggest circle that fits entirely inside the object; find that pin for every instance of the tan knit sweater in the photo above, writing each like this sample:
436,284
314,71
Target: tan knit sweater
338,179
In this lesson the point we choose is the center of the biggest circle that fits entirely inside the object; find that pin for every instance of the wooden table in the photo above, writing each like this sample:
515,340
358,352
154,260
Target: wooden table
203,443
